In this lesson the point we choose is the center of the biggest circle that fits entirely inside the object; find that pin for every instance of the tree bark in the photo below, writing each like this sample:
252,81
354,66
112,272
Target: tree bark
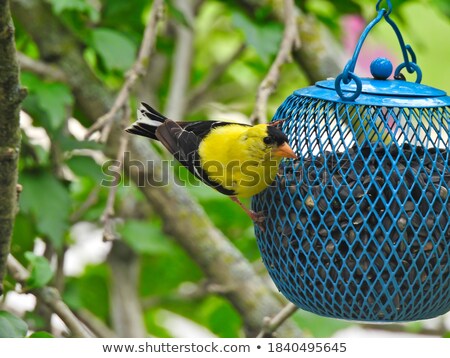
183,217
11,95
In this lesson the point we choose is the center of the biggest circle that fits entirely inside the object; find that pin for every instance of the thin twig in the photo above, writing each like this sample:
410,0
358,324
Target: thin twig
201,90
136,71
181,63
109,232
91,200
270,325
95,324
40,68
60,276
19,189
290,42
51,297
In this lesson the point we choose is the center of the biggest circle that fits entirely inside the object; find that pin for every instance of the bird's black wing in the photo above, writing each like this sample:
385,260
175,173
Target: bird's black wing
202,128
149,119
183,143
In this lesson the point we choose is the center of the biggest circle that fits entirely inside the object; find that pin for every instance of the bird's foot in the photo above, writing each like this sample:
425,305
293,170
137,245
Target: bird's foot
259,218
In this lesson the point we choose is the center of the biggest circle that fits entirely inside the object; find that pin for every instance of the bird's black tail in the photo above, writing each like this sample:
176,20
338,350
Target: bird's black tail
148,121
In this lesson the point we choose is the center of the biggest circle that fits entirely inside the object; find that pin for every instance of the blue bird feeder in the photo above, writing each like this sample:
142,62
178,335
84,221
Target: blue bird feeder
358,227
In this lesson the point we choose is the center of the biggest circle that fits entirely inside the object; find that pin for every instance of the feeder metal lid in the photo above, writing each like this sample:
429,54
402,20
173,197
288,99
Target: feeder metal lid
389,93
387,88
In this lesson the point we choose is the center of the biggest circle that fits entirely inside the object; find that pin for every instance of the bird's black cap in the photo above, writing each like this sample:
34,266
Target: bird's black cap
278,136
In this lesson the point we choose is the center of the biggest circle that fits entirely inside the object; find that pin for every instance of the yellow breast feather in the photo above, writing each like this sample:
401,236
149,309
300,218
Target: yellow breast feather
235,157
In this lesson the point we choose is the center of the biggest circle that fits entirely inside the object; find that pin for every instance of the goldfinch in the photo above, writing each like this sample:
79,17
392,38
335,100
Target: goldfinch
237,160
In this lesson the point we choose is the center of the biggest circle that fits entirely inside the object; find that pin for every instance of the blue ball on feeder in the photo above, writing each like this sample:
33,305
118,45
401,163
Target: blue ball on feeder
381,68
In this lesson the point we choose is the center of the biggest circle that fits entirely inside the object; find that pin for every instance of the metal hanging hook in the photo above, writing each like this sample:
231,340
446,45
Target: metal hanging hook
409,57
407,51
389,4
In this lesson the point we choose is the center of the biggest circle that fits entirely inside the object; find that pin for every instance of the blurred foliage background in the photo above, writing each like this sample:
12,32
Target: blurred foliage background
228,49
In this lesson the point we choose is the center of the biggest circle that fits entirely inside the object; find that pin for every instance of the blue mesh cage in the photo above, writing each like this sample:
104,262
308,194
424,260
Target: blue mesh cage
358,227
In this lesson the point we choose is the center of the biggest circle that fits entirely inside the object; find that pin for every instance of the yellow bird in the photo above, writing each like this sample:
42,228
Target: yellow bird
235,159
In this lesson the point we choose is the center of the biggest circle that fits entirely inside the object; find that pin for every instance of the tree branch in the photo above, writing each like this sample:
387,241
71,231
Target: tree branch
201,90
182,62
290,42
51,297
11,95
95,324
126,311
270,325
136,71
109,232
40,68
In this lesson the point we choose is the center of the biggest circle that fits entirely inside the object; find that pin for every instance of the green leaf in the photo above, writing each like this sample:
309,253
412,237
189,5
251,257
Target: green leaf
84,166
35,320
47,102
145,237
32,155
60,5
225,321
70,143
347,7
212,311
443,6
90,291
12,326
176,267
41,334
116,50
48,200
318,326
153,323
265,39
54,98
135,12
75,5
24,235
40,271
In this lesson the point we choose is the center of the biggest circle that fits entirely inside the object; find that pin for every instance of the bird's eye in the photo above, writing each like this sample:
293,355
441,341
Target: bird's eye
268,140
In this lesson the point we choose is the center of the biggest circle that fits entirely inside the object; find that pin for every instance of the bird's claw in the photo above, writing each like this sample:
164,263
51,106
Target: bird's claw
259,218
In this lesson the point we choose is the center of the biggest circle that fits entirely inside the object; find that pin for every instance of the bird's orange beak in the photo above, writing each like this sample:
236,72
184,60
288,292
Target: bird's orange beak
284,151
